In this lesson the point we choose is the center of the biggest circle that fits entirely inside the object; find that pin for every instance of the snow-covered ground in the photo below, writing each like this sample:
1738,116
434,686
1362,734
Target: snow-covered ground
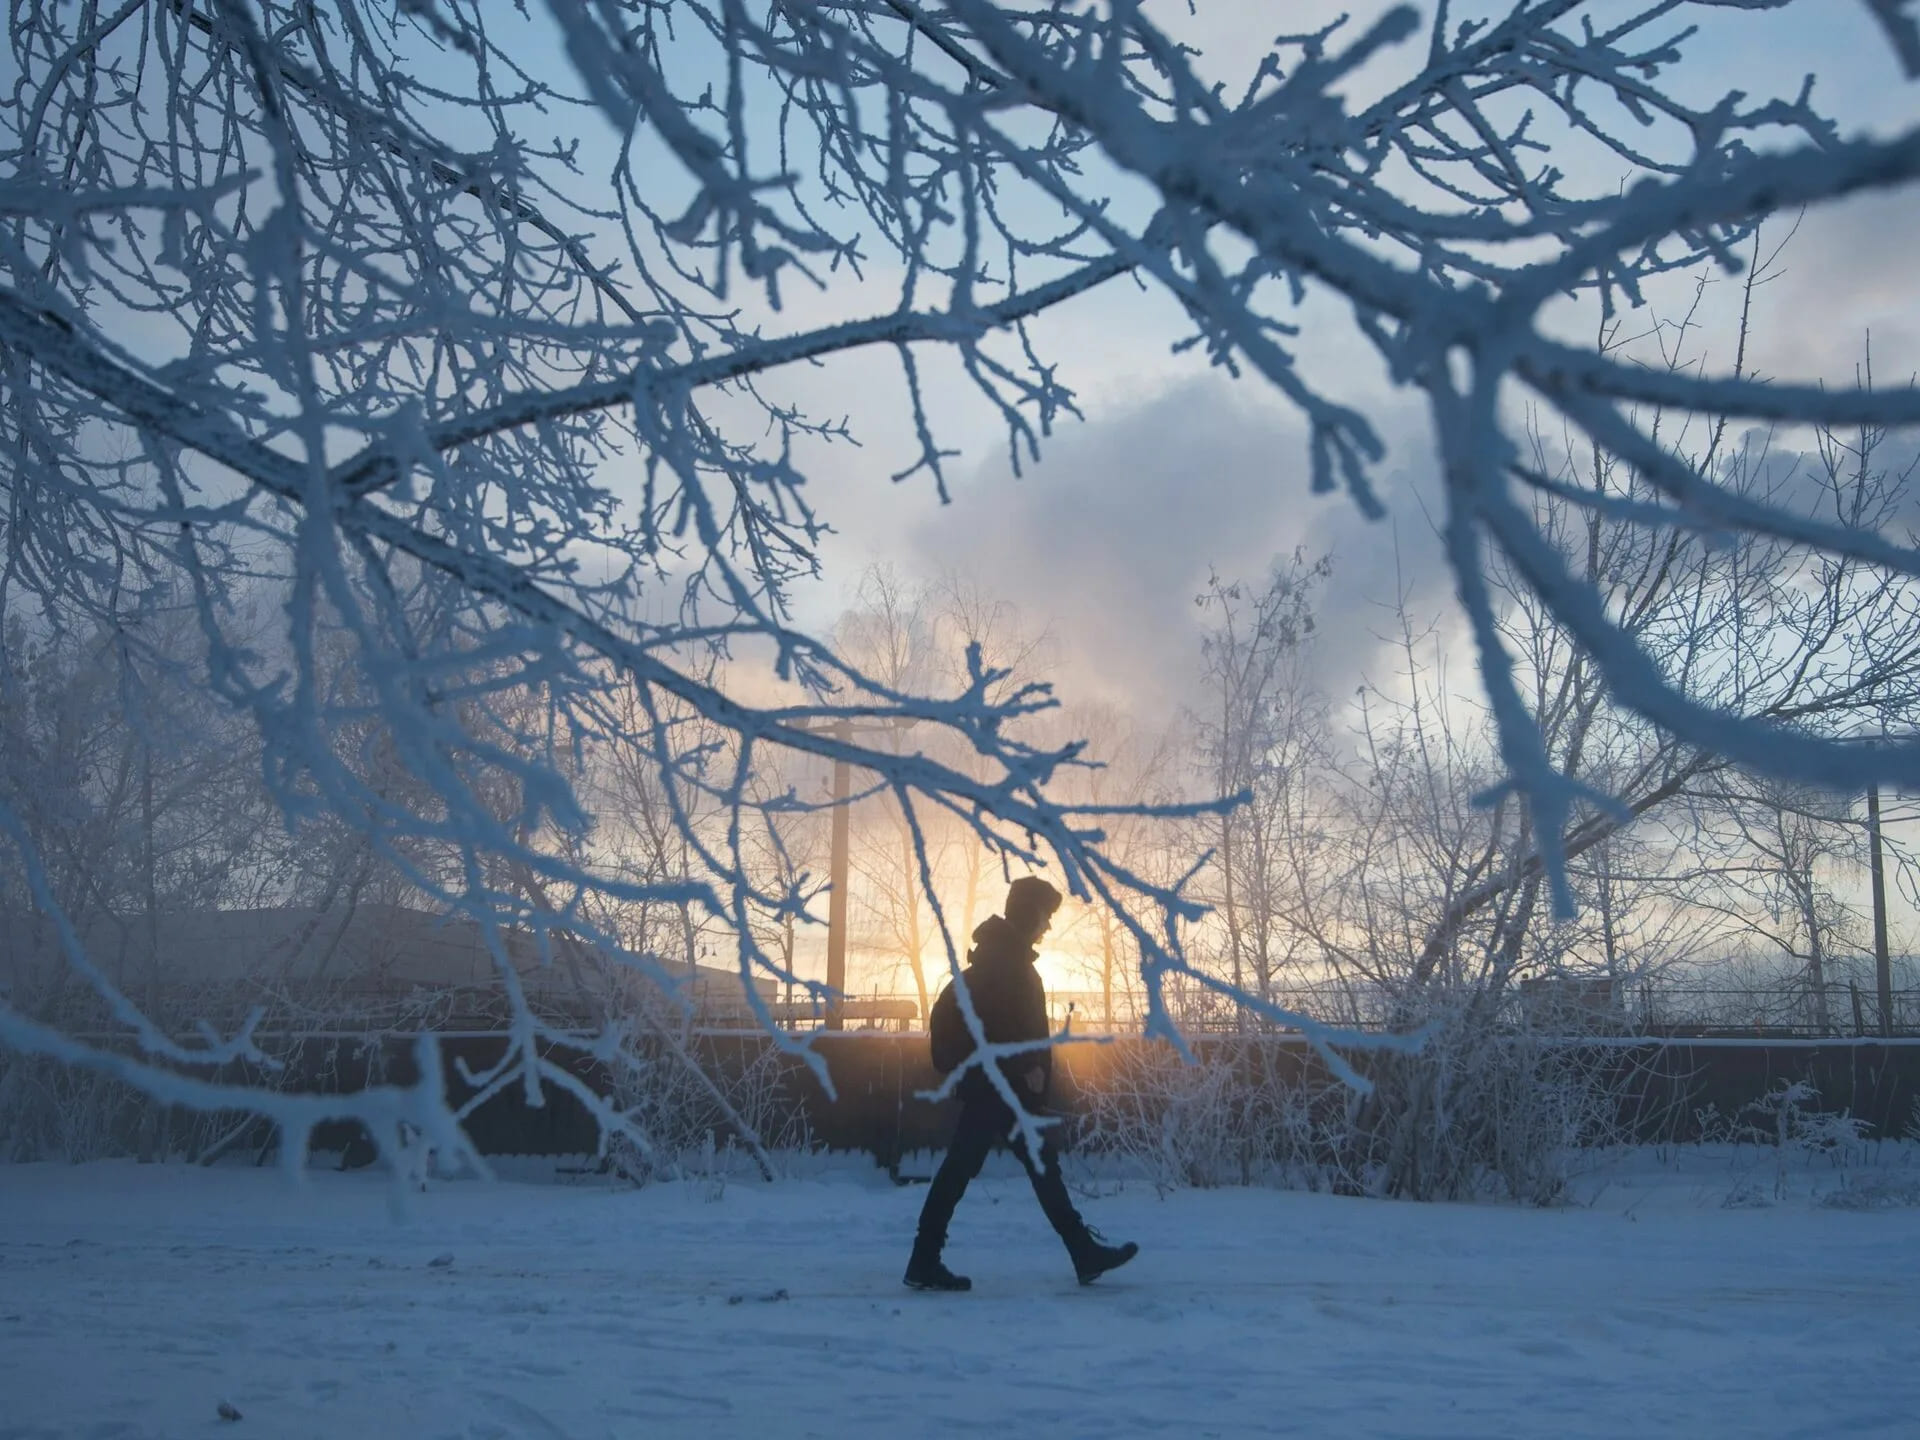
136,1301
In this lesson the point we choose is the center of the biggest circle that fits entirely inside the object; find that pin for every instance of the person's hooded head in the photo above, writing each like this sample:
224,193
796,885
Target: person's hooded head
1031,902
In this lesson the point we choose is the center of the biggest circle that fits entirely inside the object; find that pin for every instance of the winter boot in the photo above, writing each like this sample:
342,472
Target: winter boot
926,1271
1093,1256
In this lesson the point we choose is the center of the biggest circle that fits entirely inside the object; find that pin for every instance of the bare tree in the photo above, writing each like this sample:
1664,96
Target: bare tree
1786,845
890,633
1256,737
1422,884
1127,761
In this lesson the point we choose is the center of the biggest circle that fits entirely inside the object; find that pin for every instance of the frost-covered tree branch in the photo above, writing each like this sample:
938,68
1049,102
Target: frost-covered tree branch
314,306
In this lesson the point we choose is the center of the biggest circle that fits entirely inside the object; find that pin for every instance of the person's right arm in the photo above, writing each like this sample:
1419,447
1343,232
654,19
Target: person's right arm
1036,1070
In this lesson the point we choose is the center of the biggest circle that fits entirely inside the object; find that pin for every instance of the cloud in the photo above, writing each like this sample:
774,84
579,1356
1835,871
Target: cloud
1111,538
1848,273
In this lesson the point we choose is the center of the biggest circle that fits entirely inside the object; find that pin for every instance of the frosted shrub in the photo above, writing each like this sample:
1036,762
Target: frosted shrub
1789,1118
1248,1112
1502,1117
48,1112
702,1116
1484,1112
1873,1192
1787,1121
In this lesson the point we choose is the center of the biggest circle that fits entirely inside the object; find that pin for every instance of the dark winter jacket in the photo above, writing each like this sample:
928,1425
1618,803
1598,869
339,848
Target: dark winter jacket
1011,1002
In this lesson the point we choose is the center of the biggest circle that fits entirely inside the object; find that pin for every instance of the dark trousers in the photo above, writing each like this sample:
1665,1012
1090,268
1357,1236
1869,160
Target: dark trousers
985,1121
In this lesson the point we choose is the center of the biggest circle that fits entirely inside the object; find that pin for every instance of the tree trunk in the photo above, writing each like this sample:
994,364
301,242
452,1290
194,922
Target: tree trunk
1882,960
1229,908
151,1125
910,898
1816,968
972,908
1106,970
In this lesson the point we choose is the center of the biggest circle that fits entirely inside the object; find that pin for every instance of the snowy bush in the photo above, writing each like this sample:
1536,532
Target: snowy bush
1789,1118
700,1115
1242,1113
1786,1120
1872,1192
1505,1118
49,1111
1489,1111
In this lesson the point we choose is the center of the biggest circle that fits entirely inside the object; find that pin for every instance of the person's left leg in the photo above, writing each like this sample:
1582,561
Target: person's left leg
974,1135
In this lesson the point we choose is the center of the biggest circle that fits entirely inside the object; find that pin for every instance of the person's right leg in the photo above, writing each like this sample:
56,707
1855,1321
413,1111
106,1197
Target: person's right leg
1050,1187
1092,1255
973,1138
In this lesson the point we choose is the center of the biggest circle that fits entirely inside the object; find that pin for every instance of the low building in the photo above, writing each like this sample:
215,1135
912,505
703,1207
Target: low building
369,967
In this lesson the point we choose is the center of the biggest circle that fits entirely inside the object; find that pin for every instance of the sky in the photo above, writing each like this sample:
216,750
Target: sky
1178,470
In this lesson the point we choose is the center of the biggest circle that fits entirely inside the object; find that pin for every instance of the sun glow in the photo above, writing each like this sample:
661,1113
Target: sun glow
1060,970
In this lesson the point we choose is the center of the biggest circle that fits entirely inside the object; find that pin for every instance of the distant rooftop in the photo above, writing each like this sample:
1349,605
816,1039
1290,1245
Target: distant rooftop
372,949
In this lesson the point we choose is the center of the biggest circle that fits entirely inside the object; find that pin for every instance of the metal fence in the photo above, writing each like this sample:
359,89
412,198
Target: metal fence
1788,1009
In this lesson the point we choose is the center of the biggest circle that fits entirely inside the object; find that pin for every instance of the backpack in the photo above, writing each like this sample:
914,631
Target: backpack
947,1029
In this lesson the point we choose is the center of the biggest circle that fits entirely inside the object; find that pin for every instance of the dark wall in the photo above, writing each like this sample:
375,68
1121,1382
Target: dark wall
877,1079
1877,1081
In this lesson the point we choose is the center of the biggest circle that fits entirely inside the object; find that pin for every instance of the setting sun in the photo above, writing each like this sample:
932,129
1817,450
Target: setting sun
1067,974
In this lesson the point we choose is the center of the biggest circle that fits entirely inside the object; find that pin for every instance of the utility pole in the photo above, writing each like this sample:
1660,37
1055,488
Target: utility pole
1882,961
837,878
838,866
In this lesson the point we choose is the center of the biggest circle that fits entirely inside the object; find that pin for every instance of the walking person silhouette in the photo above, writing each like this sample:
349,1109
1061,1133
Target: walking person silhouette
1011,1001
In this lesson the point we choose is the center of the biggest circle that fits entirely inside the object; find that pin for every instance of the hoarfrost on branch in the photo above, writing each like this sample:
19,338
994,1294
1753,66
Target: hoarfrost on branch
320,301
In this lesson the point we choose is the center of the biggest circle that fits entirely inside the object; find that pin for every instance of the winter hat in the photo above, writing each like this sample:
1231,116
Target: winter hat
1030,899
